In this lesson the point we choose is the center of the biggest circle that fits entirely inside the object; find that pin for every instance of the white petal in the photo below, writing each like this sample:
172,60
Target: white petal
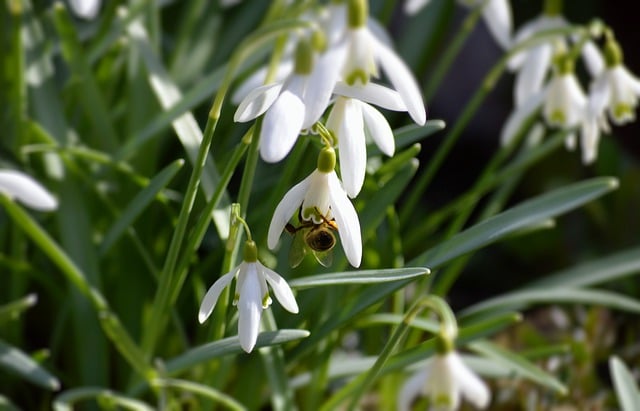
570,142
372,93
285,209
321,83
211,297
414,6
473,389
257,102
282,123
590,138
530,79
352,146
410,390
593,59
281,290
86,9
25,189
347,220
497,15
518,116
249,309
526,31
599,95
256,80
403,81
379,129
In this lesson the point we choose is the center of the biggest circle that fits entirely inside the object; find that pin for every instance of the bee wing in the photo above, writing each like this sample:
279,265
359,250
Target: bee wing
298,249
325,258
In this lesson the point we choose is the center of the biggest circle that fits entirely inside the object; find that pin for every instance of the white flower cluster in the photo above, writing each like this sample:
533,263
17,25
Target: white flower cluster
314,75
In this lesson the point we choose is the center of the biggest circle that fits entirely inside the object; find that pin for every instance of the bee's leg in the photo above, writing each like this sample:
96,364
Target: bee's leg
290,228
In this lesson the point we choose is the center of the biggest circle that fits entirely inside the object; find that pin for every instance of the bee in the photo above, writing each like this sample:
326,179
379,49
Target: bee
318,237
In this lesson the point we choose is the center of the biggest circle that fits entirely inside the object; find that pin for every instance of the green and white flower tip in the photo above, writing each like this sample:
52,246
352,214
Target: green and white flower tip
293,104
251,295
532,65
85,9
496,14
365,53
321,191
444,380
348,119
21,187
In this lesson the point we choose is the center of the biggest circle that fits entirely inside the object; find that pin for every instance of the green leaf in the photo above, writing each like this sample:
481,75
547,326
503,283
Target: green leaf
185,126
359,277
200,389
15,308
531,212
228,346
625,385
139,203
6,404
518,364
407,135
594,272
523,299
106,398
20,363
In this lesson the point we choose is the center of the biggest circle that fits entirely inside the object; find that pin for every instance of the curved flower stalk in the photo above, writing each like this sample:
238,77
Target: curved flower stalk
533,65
613,94
251,296
445,379
348,119
366,54
21,187
86,9
291,105
496,14
320,198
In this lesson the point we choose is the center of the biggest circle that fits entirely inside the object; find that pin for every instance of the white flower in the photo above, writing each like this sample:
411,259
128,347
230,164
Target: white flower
25,189
251,297
86,9
291,105
321,192
348,120
444,380
532,65
365,53
496,14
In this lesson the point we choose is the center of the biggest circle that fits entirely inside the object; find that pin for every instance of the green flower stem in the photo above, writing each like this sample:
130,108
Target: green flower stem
163,299
448,331
452,51
108,319
469,111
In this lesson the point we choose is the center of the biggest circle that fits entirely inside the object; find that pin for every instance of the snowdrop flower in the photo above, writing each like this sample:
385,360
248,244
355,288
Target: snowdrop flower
320,198
532,65
19,186
86,9
348,120
252,295
293,104
496,14
445,379
365,53
615,92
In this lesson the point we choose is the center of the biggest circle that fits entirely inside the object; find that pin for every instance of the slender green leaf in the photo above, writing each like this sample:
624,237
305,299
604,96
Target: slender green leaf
21,364
200,389
105,397
228,346
15,308
518,364
625,385
139,203
359,277
531,212
407,135
526,298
